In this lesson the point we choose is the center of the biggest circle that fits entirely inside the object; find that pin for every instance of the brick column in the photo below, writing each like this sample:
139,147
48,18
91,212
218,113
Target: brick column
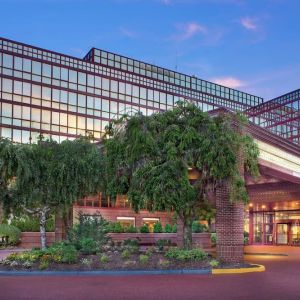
229,227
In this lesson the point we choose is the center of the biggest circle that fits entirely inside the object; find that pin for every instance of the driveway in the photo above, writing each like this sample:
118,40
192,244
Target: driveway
280,281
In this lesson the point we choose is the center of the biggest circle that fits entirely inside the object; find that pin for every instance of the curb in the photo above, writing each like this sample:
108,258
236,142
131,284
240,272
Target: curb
105,273
258,268
267,254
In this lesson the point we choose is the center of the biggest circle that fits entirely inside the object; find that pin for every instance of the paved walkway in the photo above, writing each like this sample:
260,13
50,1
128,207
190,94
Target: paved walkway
280,281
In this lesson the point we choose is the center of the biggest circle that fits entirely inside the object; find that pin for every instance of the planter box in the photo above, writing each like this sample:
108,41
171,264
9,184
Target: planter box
32,239
201,240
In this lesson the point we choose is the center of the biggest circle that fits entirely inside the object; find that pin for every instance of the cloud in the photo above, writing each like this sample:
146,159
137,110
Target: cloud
166,2
230,82
128,33
186,31
248,23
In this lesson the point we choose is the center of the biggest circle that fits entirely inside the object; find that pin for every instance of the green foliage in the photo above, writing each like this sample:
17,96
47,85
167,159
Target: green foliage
186,255
32,224
44,264
214,263
88,246
104,259
143,259
174,228
168,228
213,238
125,254
116,227
48,177
198,227
12,232
160,244
131,245
69,254
157,228
147,158
93,228
144,229
131,229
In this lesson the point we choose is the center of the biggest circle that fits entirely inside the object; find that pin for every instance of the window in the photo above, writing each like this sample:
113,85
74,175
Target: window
126,221
150,222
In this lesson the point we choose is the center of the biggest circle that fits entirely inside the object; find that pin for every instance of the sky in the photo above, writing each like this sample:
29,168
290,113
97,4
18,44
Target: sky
252,45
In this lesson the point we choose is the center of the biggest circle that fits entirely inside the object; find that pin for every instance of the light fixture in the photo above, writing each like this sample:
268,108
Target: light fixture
263,206
250,204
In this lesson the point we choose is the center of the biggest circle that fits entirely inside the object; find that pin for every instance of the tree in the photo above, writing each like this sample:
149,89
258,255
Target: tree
49,177
149,158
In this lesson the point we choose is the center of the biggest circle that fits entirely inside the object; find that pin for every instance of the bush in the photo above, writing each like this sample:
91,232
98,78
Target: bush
116,227
104,259
32,224
160,244
92,227
69,254
144,229
125,254
131,245
131,229
174,228
168,228
88,246
12,232
143,259
198,227
186,255
214,263
157,228
213,239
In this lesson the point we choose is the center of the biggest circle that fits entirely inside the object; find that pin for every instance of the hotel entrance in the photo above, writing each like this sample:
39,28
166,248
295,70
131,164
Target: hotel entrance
275,228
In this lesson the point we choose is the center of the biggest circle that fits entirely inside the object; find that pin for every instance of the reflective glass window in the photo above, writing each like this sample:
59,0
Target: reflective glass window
7,61
18,63
36,68
26,65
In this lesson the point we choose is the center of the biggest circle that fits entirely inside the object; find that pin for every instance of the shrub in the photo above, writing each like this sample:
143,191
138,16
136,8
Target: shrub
125,254
93,227
88,246
214,263
144,229
168,228
157,228
69,254
143,259
213,239
174,228
87,262
131,229
116,227
104,259
186,255
44,265
12,232
161,243
150,251
131,245
32,224
198,227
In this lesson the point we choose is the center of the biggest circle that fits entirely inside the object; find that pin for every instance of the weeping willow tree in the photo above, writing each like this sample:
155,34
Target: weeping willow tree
149,158
47,177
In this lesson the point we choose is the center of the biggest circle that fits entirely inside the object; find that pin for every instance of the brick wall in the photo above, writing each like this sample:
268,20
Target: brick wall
32,239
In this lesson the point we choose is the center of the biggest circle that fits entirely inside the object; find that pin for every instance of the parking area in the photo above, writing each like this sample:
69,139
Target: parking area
280,281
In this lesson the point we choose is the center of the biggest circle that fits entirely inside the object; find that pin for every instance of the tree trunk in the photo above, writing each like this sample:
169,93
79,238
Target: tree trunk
43,229
184,233
187,234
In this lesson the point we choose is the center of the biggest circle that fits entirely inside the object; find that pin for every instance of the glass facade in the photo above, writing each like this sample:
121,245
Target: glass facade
43,92
280,115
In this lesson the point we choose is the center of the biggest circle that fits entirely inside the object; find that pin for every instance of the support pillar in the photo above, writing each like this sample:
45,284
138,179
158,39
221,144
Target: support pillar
60,230
229,227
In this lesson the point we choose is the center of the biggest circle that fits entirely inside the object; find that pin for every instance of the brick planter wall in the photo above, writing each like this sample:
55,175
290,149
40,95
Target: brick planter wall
32,239
201,240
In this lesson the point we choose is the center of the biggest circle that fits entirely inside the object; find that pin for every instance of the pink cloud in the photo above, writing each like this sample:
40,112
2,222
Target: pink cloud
188,30
248,23
230,82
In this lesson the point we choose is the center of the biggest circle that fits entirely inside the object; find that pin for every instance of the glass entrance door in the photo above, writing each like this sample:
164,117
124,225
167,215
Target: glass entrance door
282,234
